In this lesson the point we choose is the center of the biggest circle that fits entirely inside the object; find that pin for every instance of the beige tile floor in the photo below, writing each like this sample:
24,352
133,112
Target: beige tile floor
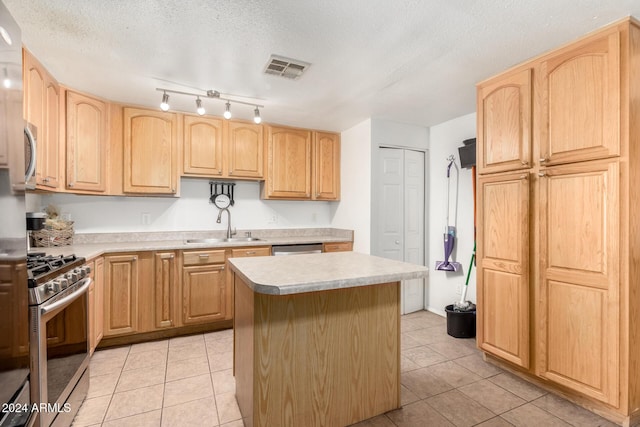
188,381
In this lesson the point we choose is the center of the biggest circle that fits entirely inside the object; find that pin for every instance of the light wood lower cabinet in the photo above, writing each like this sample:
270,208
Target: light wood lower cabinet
121,295
580,292
166,289
205,297
337,247
503,271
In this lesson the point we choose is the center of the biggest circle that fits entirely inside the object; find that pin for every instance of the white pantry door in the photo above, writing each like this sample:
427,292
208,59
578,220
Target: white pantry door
401,207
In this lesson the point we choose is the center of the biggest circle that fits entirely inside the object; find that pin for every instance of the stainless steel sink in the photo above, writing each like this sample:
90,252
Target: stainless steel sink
232,239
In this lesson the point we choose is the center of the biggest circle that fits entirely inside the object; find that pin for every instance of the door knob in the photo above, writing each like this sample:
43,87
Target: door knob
397,242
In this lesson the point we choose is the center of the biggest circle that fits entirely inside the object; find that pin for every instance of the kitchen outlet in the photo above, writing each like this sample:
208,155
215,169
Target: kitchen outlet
273,219
459,289
146,218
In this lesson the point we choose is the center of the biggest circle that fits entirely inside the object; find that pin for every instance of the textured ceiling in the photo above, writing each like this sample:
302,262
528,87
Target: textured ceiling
412,61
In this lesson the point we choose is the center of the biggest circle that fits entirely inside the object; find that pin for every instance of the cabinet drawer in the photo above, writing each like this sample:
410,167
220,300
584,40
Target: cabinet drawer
338,247
245,252
203,257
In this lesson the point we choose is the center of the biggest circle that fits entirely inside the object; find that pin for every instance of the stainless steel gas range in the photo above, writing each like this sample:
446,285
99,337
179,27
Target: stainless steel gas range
58,337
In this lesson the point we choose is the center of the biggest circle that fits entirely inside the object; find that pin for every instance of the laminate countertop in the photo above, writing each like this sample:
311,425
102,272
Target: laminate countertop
285,275
92,250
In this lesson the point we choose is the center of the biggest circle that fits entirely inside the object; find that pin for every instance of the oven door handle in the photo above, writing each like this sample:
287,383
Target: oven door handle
68,299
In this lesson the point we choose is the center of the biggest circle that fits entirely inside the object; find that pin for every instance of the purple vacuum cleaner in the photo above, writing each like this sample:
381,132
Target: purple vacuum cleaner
449,231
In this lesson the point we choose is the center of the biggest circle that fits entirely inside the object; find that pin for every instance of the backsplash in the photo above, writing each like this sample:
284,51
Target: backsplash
192,211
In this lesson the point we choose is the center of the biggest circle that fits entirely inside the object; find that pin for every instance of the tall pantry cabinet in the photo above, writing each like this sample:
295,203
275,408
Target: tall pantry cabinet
558,229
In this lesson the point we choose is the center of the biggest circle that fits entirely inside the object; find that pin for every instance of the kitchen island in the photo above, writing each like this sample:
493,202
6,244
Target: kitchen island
317,337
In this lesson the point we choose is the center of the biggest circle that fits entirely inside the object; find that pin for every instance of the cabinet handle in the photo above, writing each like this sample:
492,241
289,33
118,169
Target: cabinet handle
251,252
173,190
526,176
71,184
204,256
544,160
45,179
542,174
524,163
167,256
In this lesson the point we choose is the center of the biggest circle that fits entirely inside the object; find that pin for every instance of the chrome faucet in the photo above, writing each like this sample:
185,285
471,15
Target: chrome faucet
229,232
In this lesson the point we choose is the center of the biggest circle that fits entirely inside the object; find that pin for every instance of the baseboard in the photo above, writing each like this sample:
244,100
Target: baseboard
437,311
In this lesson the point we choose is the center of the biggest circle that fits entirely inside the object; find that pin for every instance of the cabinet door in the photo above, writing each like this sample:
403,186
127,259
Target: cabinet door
204,294
98,277
121,295
504,123
50,170
503,267
41,109
203,138
245,150
92,321
150,156
581,102
326,166
86,143
35,107
166,295
289,164
579,295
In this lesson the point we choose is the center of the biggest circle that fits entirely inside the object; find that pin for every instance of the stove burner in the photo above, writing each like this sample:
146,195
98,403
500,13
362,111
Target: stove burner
43,264
44,268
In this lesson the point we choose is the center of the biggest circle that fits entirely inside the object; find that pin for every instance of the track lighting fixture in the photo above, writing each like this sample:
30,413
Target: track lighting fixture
199,107
164,105
211,94
227,111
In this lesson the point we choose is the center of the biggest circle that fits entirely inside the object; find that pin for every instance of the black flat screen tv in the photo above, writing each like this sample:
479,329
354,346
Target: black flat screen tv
467,153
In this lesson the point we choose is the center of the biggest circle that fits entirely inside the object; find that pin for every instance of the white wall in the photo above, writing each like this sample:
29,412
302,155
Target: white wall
354,210
191,211
445,139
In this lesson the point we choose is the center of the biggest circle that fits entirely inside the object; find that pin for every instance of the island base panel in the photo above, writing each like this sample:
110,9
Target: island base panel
327,358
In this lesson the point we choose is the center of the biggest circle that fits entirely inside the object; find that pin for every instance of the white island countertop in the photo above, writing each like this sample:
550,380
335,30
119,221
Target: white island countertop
285,275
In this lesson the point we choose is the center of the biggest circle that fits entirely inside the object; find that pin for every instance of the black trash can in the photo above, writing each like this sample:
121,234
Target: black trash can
460,324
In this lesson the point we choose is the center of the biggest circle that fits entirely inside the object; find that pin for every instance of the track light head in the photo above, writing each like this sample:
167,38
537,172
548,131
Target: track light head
256,116
199,107
164,105
227,111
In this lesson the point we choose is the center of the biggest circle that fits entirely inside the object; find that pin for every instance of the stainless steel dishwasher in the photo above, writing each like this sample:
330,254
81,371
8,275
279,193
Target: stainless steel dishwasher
305,248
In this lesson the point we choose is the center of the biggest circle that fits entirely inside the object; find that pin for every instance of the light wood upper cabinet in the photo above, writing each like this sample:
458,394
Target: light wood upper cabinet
203,140
42,110
288,163
579,262
166,290
87,140
121,295
503,268
150,152
326,166
245,150
504,123
580,99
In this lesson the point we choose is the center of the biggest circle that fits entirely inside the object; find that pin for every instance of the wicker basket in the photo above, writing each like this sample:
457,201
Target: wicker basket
48,237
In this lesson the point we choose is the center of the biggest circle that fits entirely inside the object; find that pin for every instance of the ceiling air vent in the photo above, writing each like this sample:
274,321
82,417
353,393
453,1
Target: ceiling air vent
286,67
